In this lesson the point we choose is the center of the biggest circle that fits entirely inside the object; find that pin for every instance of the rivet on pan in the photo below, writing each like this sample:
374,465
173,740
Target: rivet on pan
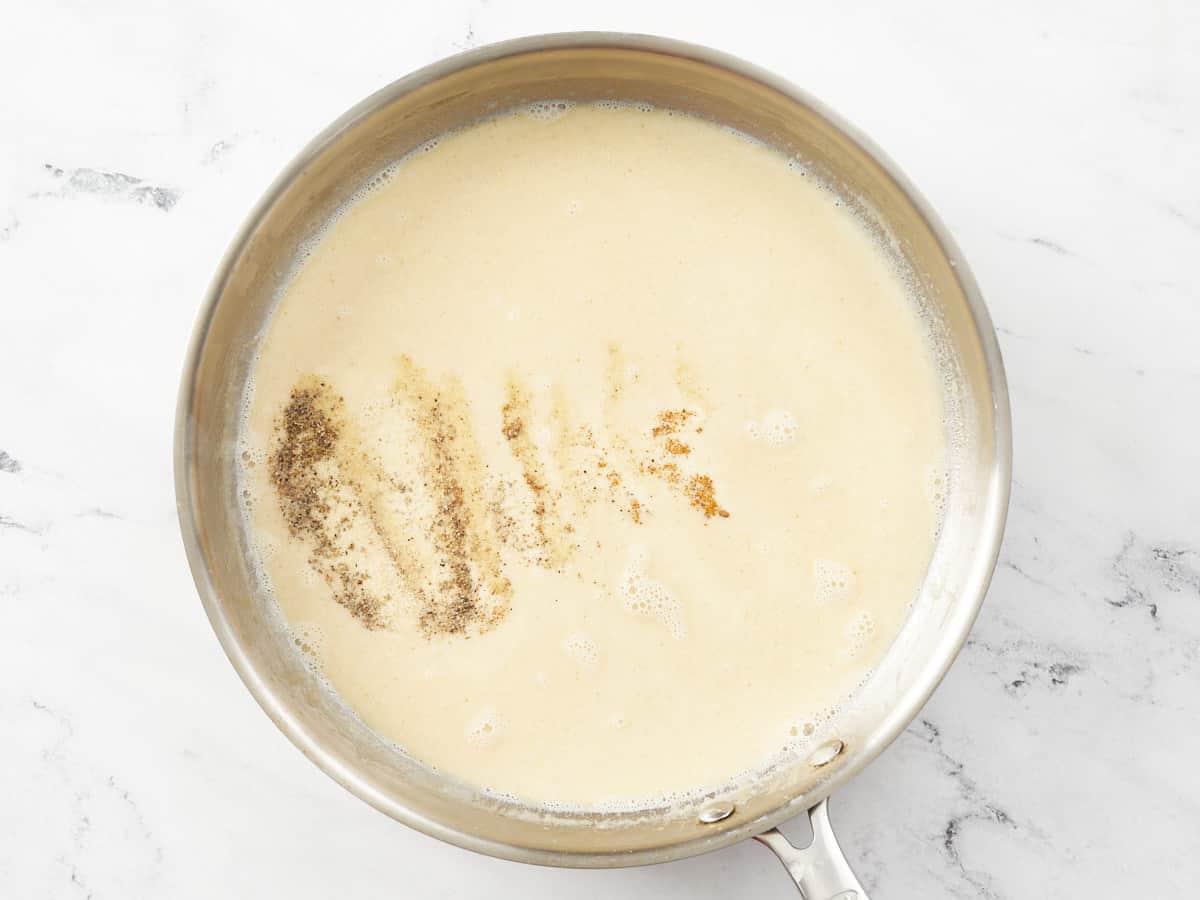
716,811
826,753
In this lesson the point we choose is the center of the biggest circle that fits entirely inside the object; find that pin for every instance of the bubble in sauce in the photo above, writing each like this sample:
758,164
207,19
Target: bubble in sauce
937,489
485,729
859,632
582,649
549,110
267,549
643,595
832,581
802,730
310,638
777,428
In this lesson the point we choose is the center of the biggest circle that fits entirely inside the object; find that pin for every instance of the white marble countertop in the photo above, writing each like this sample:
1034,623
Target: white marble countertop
1060,143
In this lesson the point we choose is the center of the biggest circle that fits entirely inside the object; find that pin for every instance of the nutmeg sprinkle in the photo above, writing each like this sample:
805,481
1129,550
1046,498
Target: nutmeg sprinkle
697,488
671,421
699,491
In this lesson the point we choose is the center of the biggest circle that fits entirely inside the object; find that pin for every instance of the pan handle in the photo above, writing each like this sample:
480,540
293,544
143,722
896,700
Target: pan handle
820,870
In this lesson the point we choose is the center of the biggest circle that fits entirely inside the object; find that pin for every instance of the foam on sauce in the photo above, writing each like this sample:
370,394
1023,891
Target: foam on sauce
583,429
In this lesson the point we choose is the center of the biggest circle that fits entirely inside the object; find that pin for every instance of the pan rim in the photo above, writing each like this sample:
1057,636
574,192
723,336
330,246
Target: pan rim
913,699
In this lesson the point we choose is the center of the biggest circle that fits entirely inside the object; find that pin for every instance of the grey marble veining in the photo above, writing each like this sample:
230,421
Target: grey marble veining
116,185
1059,143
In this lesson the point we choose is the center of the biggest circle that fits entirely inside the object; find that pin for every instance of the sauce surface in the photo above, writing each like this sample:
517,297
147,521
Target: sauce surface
594,454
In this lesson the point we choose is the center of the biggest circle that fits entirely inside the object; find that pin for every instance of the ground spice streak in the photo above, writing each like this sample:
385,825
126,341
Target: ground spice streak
450,522
697,488
468,589
427,527
312,496
699,492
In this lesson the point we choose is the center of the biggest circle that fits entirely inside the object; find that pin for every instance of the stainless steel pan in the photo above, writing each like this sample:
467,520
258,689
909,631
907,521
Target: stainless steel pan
582,67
